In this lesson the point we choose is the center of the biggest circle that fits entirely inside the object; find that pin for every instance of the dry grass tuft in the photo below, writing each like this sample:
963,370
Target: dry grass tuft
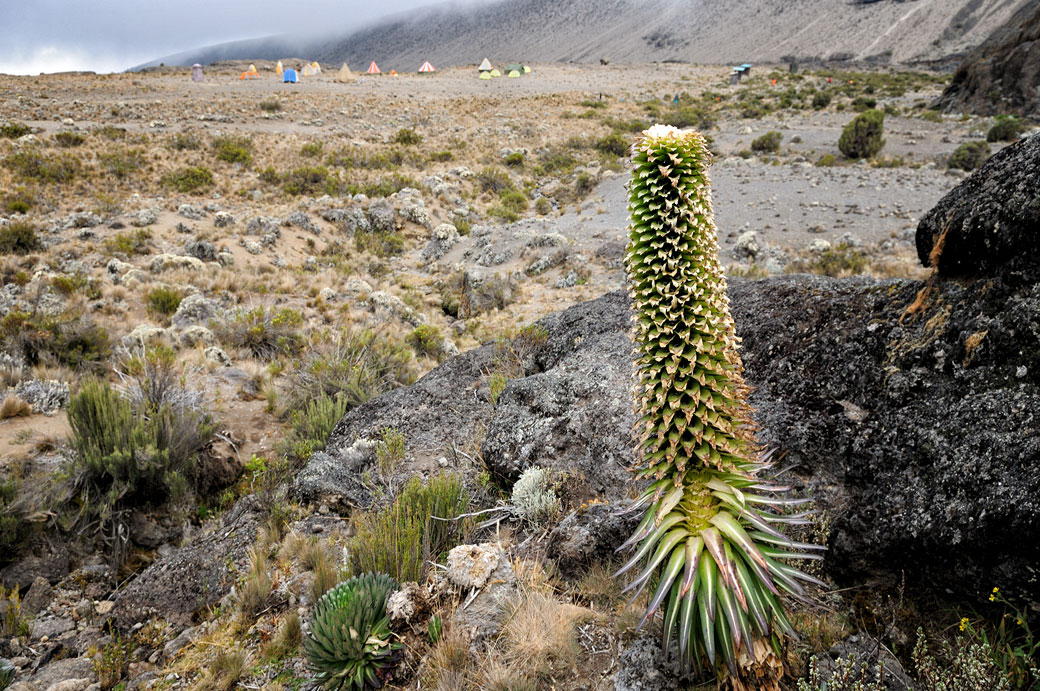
539,636
13,406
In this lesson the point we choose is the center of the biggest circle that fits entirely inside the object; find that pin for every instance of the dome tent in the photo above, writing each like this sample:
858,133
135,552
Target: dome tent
289,76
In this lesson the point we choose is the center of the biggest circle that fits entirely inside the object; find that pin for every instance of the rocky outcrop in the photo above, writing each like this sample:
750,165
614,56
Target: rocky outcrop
1002,75
192,577
991,220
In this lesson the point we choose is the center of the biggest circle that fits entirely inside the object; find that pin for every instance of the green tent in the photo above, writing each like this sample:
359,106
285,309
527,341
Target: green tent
514,67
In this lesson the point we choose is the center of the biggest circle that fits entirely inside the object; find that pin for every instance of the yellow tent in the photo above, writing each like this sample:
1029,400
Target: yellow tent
496,73
316,67
485,75
344,75
278,69
527,70
514,74
311,70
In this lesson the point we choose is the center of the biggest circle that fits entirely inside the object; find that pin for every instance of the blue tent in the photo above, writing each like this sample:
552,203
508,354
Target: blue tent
289,76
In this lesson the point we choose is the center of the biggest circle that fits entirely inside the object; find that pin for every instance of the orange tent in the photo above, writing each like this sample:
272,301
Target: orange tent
427,67
393,73
373,68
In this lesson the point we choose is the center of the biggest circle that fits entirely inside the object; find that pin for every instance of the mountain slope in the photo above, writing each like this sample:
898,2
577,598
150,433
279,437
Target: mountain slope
1001,75
705,31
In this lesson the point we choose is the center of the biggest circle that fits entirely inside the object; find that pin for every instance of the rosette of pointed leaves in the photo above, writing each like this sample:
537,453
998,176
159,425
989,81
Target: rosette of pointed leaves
709,544
350,644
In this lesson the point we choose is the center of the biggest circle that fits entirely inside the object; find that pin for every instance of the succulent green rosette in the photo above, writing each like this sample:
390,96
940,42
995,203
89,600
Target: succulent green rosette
709,547
350,645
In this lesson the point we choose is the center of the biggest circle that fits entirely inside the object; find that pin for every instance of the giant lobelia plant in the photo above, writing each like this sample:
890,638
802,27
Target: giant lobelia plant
709,544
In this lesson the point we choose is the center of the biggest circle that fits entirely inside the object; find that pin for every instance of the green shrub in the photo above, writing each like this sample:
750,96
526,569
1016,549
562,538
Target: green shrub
263,331
584,184
271,106
120,164
407,137
187,180
861,138
7,674
493,180
311,425
1006,128
426,339
827,160
400,538
514,160
233,149
349,645
32,165
305,180
513,200
74,341
17,206
111,132
768,142
840,260
442,156
614,143
969,155
135,453
67,140
390,452
19,237
13,525
386,186
128,244
543,206
14,130
557,161
862,103
311,149
164,301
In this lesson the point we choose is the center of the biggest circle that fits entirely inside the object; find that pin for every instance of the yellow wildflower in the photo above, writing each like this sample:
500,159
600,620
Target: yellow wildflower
993,595
964,623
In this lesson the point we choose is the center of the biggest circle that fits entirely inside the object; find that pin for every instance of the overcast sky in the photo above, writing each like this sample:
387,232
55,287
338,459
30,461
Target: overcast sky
112,35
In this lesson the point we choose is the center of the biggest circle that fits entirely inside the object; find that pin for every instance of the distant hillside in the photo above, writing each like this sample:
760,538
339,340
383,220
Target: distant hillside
1003,74
704,31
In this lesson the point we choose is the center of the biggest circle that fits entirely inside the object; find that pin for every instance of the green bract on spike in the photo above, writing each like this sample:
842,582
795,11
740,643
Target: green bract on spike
694,429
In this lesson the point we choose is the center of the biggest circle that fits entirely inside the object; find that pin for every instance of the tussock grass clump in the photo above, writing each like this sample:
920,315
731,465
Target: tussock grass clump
400,538
187,180
263,331
311,425
184,141
67,140
493,180
862,138
19,237
357,364
233,149
37,167
13,406
14,130
164,301
121,164
270,106
288,639
614,143
129,244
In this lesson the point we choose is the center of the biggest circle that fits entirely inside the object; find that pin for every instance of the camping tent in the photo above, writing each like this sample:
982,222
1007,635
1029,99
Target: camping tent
427,67
373,68
515,74
251,73
496,73
289,76
345,75
196,72
527,70
514,66
278,69
485,75
316,67
311,70
485,66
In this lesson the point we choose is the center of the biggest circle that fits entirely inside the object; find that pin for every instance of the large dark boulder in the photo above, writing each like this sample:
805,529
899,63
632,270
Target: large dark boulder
1002,74
193,577
991,220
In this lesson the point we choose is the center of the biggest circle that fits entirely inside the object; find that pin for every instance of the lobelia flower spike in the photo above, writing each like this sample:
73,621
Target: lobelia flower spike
709,533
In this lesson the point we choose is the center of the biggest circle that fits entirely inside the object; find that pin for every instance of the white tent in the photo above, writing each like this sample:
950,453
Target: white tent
485,66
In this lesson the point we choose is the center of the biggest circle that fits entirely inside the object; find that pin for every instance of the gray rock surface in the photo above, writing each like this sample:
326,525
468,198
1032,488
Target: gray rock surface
1001,74
194,576
989,221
